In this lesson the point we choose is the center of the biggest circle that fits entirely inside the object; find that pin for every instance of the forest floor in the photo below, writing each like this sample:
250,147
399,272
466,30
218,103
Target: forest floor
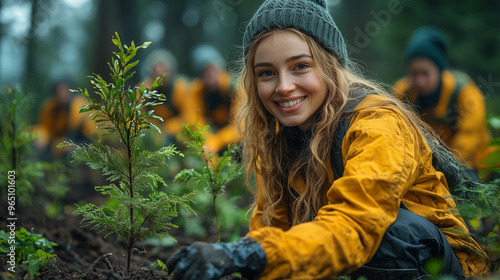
86,254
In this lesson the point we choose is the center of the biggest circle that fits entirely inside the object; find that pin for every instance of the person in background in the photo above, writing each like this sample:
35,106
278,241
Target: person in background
210,100
385,215
447,99
60,119
175,88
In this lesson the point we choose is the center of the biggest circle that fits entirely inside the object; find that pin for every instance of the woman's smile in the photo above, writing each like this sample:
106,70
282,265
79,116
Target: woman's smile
290,104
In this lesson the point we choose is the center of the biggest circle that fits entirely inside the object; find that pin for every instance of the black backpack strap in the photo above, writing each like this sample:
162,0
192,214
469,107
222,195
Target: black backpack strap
451,113
336,152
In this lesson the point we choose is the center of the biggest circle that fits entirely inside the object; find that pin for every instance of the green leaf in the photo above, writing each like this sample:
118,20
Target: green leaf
162,265
186,175
129,76
144,45
158,81
33,266
66,144
492,235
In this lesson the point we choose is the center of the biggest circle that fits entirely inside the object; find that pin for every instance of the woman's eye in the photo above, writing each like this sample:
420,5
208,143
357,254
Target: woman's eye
301,66
265,73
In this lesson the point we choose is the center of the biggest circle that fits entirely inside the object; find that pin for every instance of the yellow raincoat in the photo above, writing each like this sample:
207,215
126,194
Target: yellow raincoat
57,122
385,161
468,134
224,131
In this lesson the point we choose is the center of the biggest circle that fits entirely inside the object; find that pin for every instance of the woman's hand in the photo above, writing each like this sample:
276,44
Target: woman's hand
205,261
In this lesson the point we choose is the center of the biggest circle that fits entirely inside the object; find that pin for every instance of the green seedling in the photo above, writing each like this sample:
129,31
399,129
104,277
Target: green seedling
36,261
162,265
217,171
482,208
120,110
16,142
33,250
16,157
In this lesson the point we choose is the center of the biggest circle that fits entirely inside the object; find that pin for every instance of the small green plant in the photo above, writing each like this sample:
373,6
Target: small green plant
17,156
483,214
162,265
16,142
482,209
492,160
119,110
216,172
36,261
33,250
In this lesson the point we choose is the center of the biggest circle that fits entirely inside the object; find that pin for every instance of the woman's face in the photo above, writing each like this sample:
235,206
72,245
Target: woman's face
288,81
425,75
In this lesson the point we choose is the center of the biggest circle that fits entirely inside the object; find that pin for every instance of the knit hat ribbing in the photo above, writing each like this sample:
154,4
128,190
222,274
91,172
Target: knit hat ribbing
308,16
428,42
203,55
159,56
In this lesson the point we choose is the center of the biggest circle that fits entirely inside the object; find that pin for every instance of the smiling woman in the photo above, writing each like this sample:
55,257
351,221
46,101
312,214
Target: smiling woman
288,82
384,217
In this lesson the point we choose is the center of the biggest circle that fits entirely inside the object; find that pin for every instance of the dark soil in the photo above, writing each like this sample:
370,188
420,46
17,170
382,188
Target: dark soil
85,254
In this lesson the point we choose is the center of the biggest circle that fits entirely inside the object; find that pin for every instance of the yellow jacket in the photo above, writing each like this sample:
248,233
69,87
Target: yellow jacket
385,161
224,131
465,129
57,122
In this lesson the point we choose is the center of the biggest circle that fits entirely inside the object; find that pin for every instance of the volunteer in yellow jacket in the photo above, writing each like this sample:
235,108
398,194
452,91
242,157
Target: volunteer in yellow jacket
175,88
386,215
60,119
210,99
446,99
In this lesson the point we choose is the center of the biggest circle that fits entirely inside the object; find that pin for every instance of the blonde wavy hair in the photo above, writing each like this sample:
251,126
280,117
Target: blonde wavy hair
264,145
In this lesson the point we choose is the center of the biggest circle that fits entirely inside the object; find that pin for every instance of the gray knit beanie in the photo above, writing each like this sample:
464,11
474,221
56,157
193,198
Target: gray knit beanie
308,16
159,55
428,42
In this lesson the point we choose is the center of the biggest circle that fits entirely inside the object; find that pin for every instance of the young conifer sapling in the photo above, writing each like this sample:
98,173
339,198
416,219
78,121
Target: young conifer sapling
119,109
217,171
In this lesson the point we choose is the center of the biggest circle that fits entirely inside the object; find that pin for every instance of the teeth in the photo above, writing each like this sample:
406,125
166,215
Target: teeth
290,103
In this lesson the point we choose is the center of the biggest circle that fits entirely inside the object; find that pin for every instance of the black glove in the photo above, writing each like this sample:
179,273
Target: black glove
204,261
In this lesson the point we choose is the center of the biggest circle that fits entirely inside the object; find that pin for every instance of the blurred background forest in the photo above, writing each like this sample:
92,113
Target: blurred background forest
42,41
